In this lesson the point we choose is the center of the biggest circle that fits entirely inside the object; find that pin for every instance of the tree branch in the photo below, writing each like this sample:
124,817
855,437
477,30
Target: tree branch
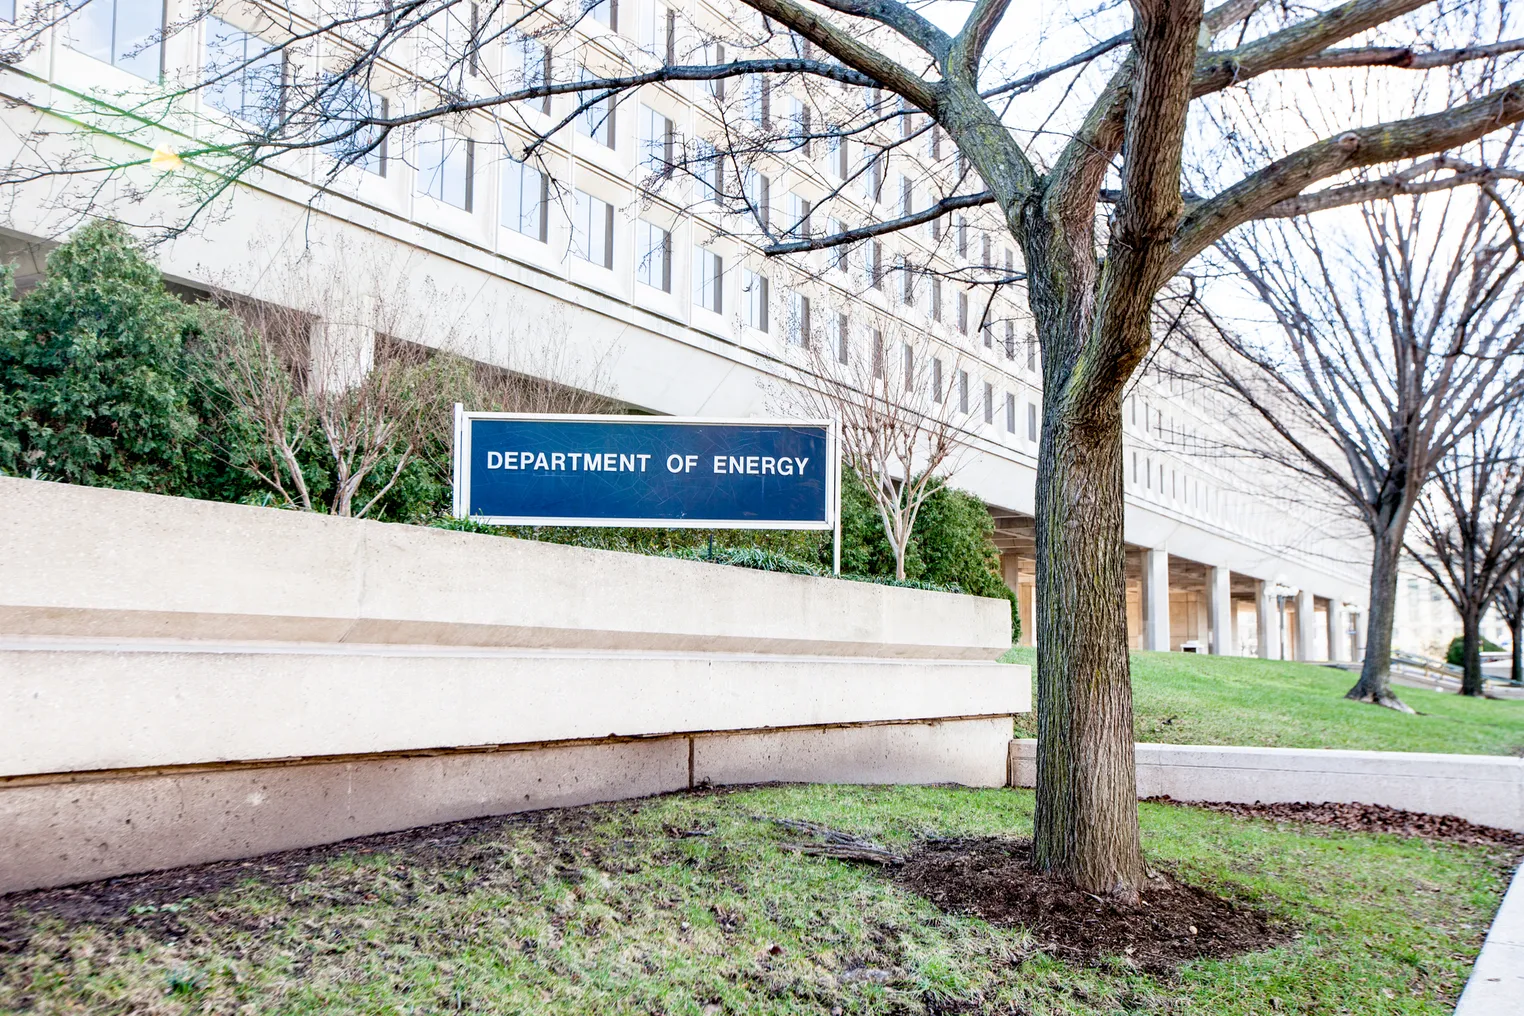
1402,56
845,46
935,211
968,47
1285,178
899,17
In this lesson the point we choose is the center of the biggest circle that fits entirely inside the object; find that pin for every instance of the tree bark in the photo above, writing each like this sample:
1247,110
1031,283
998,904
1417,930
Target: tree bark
1087,805
1516,675
1375,671
1471,652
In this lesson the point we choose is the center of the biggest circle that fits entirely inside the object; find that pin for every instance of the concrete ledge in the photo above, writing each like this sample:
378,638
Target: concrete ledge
79,706
1485,789
63,829
167,567
1496,984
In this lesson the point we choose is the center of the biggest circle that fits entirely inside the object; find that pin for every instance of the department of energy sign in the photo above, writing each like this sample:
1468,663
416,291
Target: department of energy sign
520,469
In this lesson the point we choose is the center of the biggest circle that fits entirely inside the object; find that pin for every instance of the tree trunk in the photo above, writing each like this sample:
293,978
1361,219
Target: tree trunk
1471,652
1516,628
1087,804
1375,672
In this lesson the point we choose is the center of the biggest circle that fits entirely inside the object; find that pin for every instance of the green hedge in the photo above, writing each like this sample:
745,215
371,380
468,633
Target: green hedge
1455,655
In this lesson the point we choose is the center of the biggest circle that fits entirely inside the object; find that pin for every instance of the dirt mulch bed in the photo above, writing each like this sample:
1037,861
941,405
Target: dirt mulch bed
1173,922
1366,818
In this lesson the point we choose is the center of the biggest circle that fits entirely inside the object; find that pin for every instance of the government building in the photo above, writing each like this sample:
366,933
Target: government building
592,264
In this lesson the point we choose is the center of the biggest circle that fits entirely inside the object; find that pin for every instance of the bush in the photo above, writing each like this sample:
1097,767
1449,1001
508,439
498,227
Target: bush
1455,655
951,547
91,369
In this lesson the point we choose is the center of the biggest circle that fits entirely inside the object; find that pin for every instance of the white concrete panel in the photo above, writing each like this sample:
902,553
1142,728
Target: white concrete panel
177,568
1496,984
55,833
1485,789
967,752
66,707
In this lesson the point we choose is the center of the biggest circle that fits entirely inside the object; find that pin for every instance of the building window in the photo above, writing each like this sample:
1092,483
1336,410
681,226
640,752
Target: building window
963,392
606,12
986,252
597,118
907,361
526,195
936,376
907,195
799,211
1010,413
246,77
907,282
122,33
759,100
873,178
936,300
758,188
963,313
1135,469
656,140
799,329
446,164
347,109
708,273
1032,354
754,295
8,11
1032,421
987,330
989,402
962,230
527,63
843,339
655,246
709,169
1010,339
875,264
656,21
878,353
593,230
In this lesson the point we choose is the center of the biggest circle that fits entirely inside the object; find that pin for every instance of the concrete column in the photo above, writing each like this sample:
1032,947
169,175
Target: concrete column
1306,625
342,354
1338,644
1219,597
1156,600
1268,616
1360,637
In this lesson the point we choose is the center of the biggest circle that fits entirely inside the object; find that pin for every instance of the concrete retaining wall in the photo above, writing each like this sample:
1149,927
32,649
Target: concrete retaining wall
1485,789
183,681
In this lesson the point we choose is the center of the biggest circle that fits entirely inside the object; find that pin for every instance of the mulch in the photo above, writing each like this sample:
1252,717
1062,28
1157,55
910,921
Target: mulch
1366,818
1171,923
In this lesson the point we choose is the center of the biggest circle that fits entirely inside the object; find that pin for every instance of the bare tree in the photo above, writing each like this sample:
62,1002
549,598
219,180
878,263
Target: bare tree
898,404
323,418
1510,603
1470,528
1390,349
885,79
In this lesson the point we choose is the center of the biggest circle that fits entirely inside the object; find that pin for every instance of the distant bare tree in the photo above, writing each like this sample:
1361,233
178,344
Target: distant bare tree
898,405
1510,603
1470,527
1389,351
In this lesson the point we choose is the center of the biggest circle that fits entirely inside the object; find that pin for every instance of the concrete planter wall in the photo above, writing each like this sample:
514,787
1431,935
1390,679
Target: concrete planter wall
183,681
1485,789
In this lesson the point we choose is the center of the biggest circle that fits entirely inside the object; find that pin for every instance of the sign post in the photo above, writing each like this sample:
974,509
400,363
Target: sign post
651,471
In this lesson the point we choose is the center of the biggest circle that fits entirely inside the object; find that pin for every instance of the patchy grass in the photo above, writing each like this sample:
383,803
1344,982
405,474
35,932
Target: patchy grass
685,905
1183,698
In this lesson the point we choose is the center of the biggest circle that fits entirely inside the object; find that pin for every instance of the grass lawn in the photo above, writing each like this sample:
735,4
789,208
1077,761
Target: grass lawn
624,909
1183,698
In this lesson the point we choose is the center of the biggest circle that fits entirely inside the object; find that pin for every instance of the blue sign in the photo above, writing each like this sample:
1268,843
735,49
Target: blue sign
514,469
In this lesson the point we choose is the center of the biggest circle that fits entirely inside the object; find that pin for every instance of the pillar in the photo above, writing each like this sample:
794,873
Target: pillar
1219,597
1306,625
1360,637
341,354
1156,600
1338,642
1268,616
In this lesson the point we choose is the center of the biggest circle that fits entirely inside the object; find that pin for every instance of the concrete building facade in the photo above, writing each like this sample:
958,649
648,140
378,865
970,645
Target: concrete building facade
660,298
